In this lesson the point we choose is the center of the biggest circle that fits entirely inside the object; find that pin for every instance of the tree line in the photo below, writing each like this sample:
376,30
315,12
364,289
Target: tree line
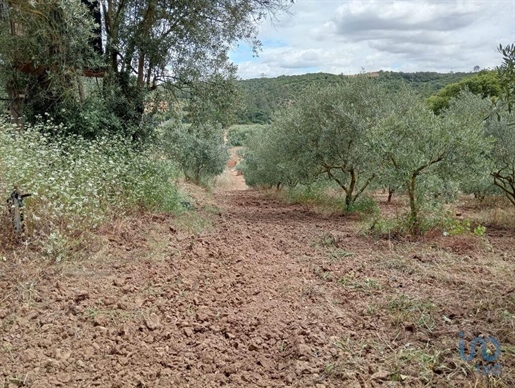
361,134
263,96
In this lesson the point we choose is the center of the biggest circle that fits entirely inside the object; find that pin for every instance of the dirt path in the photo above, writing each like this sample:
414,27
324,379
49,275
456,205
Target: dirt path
231,179
271,296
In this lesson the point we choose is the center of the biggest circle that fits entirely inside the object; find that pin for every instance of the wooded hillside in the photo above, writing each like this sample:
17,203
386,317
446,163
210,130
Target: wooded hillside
264,95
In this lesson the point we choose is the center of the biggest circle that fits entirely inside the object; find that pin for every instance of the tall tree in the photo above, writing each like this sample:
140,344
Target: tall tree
148,42
44,47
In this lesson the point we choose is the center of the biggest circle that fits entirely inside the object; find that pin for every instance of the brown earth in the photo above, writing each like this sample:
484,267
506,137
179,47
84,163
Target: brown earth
266,295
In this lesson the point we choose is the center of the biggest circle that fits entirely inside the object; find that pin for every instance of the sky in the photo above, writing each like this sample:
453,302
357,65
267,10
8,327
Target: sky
347,37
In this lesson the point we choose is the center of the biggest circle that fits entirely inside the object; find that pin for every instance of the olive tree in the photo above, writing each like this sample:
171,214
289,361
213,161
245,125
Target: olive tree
198,148
502,129
325,133
421,150
264,162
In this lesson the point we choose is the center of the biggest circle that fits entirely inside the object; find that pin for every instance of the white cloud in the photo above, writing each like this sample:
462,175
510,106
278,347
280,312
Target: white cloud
402,35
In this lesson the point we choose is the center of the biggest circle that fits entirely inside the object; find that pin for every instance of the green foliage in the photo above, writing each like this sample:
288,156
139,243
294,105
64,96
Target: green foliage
79,184
264,96
325,133
357,131
263,163
425,83
502,129
431,215
50,44
454,227
485,84
199,149
423,151
147,43
238,134
507,75
214,98
366,205
481,185
314,194
479,230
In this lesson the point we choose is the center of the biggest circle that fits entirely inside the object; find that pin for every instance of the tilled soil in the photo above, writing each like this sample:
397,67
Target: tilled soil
272,295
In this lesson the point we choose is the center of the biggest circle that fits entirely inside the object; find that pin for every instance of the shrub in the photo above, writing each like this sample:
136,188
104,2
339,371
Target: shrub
198,148
238,134
311,194
364,205
79,184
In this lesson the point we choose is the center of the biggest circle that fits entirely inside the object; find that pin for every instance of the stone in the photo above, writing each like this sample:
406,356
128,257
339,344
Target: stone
380,375
153,322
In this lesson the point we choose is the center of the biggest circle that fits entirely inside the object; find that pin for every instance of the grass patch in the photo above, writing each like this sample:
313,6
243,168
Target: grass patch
337,255
405,309
367,286
320,196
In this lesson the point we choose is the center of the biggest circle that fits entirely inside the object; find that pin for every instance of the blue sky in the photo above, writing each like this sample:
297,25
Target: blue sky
398,35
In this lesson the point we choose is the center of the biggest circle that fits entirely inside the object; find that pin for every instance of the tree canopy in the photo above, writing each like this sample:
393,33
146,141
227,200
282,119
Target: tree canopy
148,43
324,133
485,84
263,96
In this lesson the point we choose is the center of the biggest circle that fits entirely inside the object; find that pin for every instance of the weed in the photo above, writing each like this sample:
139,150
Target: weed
78,185
371,309
17,381
91,313
322,274
421,360
418,312
326,240
365,205
385,227
311,291
366,286
337,255
193,222
303,259
9,350
329,368
318,195
453,227
28,291
479,230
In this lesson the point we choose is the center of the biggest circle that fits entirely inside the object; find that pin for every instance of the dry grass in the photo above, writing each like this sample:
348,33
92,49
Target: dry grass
417,298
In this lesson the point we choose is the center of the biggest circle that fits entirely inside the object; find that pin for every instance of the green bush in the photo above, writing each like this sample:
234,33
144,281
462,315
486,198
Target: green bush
432,215
364,205
264,163
198,148
79,184
238,134
454,227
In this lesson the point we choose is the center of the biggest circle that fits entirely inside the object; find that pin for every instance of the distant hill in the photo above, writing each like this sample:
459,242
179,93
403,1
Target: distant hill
264,95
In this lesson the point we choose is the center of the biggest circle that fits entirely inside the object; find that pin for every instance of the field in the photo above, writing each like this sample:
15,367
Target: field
249,291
